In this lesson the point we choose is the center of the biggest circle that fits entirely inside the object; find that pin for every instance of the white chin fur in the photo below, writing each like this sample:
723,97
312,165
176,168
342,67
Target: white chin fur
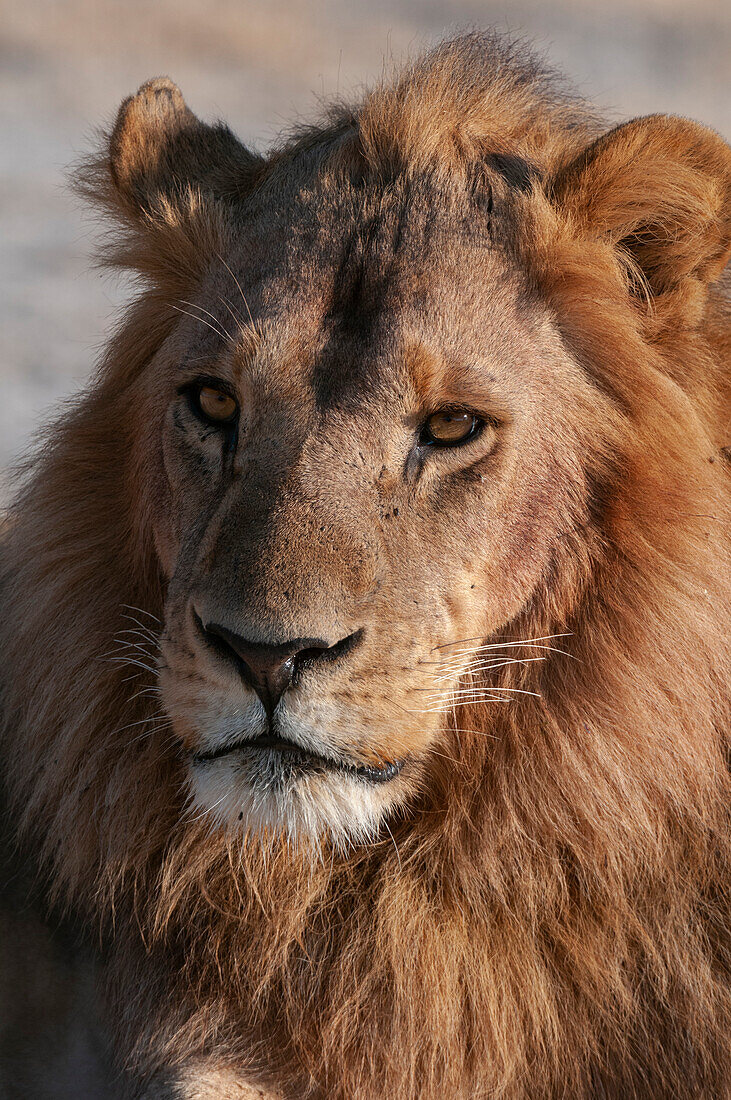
238,795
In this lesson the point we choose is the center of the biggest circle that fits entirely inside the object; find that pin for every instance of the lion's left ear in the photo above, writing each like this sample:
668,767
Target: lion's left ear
658,188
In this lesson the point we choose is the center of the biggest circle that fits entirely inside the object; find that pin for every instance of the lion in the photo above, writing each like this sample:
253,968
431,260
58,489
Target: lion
365,687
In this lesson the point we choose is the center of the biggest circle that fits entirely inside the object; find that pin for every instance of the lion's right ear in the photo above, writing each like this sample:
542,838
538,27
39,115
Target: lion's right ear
159,150
169,178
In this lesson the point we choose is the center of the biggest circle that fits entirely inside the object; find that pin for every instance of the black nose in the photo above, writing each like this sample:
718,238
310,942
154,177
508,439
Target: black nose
270,669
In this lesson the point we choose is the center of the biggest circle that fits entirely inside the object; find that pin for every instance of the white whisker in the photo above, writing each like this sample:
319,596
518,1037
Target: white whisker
239,320
398,854
139,722
478,692
480,733
238,285
140,611
501,645
142,632
195,305
153,730
145,693
471,669
133,661
202,321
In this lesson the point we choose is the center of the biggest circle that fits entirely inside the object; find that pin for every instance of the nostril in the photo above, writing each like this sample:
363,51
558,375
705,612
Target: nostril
319,654
309,656
218,639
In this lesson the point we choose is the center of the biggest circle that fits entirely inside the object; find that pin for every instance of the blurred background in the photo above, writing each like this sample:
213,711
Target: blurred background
66,64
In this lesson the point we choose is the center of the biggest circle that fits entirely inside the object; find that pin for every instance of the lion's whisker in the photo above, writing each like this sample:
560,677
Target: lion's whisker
139,722
132,661
141,647
136,675
398,854
458,665
202,321
498,687
148,692
253,330
471,669
447,706
237,318
501,645
149,733
477,691
142,632
194,305
446,756
466,664
208,810
480,733
149,639
120,650
140,610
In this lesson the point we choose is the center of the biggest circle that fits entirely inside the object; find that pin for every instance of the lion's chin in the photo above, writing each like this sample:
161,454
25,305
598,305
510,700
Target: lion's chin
266,793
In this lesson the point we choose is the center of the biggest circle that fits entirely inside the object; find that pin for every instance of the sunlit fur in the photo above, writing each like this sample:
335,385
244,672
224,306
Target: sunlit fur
549,915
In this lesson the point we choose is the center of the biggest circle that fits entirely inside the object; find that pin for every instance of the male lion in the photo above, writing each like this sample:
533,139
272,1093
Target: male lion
365,683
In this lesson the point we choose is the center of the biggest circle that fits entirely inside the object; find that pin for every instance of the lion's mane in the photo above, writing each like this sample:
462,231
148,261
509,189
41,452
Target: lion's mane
552,917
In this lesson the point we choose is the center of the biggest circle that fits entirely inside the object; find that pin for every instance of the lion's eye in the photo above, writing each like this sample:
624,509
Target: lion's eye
215,405
450,428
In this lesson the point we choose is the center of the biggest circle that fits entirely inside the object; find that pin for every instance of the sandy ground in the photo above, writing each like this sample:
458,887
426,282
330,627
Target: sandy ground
66,64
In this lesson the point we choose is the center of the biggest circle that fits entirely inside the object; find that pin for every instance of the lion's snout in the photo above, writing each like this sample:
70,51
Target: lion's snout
271,668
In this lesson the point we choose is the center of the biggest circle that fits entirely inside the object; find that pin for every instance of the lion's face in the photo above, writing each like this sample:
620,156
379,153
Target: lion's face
362,482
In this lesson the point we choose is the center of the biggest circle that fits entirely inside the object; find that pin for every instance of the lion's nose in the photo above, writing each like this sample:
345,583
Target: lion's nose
270,669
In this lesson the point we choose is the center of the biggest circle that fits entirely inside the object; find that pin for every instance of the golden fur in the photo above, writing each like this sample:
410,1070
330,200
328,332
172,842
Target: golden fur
541,909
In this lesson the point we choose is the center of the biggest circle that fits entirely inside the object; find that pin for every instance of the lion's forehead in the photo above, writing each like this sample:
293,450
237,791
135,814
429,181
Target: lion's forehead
355,257
371,309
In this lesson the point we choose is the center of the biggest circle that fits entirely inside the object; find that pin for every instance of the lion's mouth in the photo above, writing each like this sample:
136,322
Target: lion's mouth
295,758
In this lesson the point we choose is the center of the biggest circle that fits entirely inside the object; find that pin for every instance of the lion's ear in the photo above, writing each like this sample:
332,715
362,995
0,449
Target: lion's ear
169,183
659,189
159,150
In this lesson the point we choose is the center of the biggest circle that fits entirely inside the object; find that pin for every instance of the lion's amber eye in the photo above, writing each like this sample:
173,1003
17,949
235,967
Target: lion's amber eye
449,428
216,405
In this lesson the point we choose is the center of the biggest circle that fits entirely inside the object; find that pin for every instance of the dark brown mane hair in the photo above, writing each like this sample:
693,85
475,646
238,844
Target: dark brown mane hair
582,839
